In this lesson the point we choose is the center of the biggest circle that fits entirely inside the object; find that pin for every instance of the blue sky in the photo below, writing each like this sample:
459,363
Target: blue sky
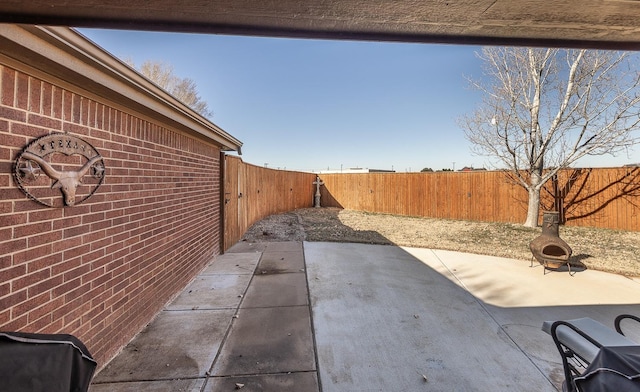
310,105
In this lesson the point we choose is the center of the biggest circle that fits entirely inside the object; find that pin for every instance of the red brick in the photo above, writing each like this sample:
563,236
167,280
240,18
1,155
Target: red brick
13,114
77,272
66,265
56,326
43,251
45,238
90,257
71,324
62,290
13,299
77,210
42,324
76,252
99,118
44,285
92,108
76,129
77,292
35,94
28,306
102,225
46,99
117,296
13,246
17,323
16,141
22,91
32,229
102,243
40,264
103,135
76,109
99,198
5,289
8,83
66,222
46,122
68,306
85,112
96,277
5,317
93,314
97,296
67,105
94,217
48,214
29,280
75,231
46,308
5,262
27,205
6,155
121,303
57,102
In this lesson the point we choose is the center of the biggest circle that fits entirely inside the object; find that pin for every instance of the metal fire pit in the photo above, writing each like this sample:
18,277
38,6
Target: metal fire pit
548,248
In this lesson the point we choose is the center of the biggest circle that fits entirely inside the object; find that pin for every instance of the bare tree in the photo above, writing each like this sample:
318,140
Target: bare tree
183,89
543,109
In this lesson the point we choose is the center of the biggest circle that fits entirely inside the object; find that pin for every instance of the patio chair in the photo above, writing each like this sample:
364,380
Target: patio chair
595,357
44,362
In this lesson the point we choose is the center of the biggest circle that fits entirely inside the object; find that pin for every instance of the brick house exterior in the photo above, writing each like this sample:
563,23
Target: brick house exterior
101,269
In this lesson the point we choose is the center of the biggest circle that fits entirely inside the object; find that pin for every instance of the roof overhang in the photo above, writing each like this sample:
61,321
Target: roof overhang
68,57
606,24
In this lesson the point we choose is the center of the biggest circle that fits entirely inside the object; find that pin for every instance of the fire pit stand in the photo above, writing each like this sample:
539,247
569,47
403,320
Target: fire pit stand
548,248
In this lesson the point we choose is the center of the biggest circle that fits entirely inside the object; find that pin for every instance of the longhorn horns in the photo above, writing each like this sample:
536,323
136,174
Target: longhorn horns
67,180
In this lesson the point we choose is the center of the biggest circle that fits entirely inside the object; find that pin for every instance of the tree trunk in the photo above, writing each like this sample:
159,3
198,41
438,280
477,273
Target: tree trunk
533,208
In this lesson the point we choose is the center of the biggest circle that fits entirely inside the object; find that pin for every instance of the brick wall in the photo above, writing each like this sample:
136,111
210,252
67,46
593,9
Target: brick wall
101,269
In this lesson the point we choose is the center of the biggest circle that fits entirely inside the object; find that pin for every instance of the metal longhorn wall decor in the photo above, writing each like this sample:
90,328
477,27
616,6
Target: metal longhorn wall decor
59,161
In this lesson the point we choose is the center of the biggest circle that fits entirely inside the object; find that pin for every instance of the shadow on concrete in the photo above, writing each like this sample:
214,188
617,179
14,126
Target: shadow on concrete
387,318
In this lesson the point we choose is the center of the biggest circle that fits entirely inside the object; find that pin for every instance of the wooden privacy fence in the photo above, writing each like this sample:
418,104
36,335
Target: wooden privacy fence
606,198
253,192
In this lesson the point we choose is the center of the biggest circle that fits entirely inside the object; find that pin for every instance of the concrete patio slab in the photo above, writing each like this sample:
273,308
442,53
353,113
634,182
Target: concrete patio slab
281,262
194,385
277,290
403,326
386,319
289,246
212,292
176,345
233,263
247,247
294,382
516,284
268,340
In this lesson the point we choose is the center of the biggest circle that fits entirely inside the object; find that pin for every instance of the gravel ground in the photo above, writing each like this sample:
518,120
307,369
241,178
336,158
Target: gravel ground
598,249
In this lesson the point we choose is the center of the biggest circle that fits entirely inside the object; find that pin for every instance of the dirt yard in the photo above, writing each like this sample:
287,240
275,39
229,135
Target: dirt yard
598,249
